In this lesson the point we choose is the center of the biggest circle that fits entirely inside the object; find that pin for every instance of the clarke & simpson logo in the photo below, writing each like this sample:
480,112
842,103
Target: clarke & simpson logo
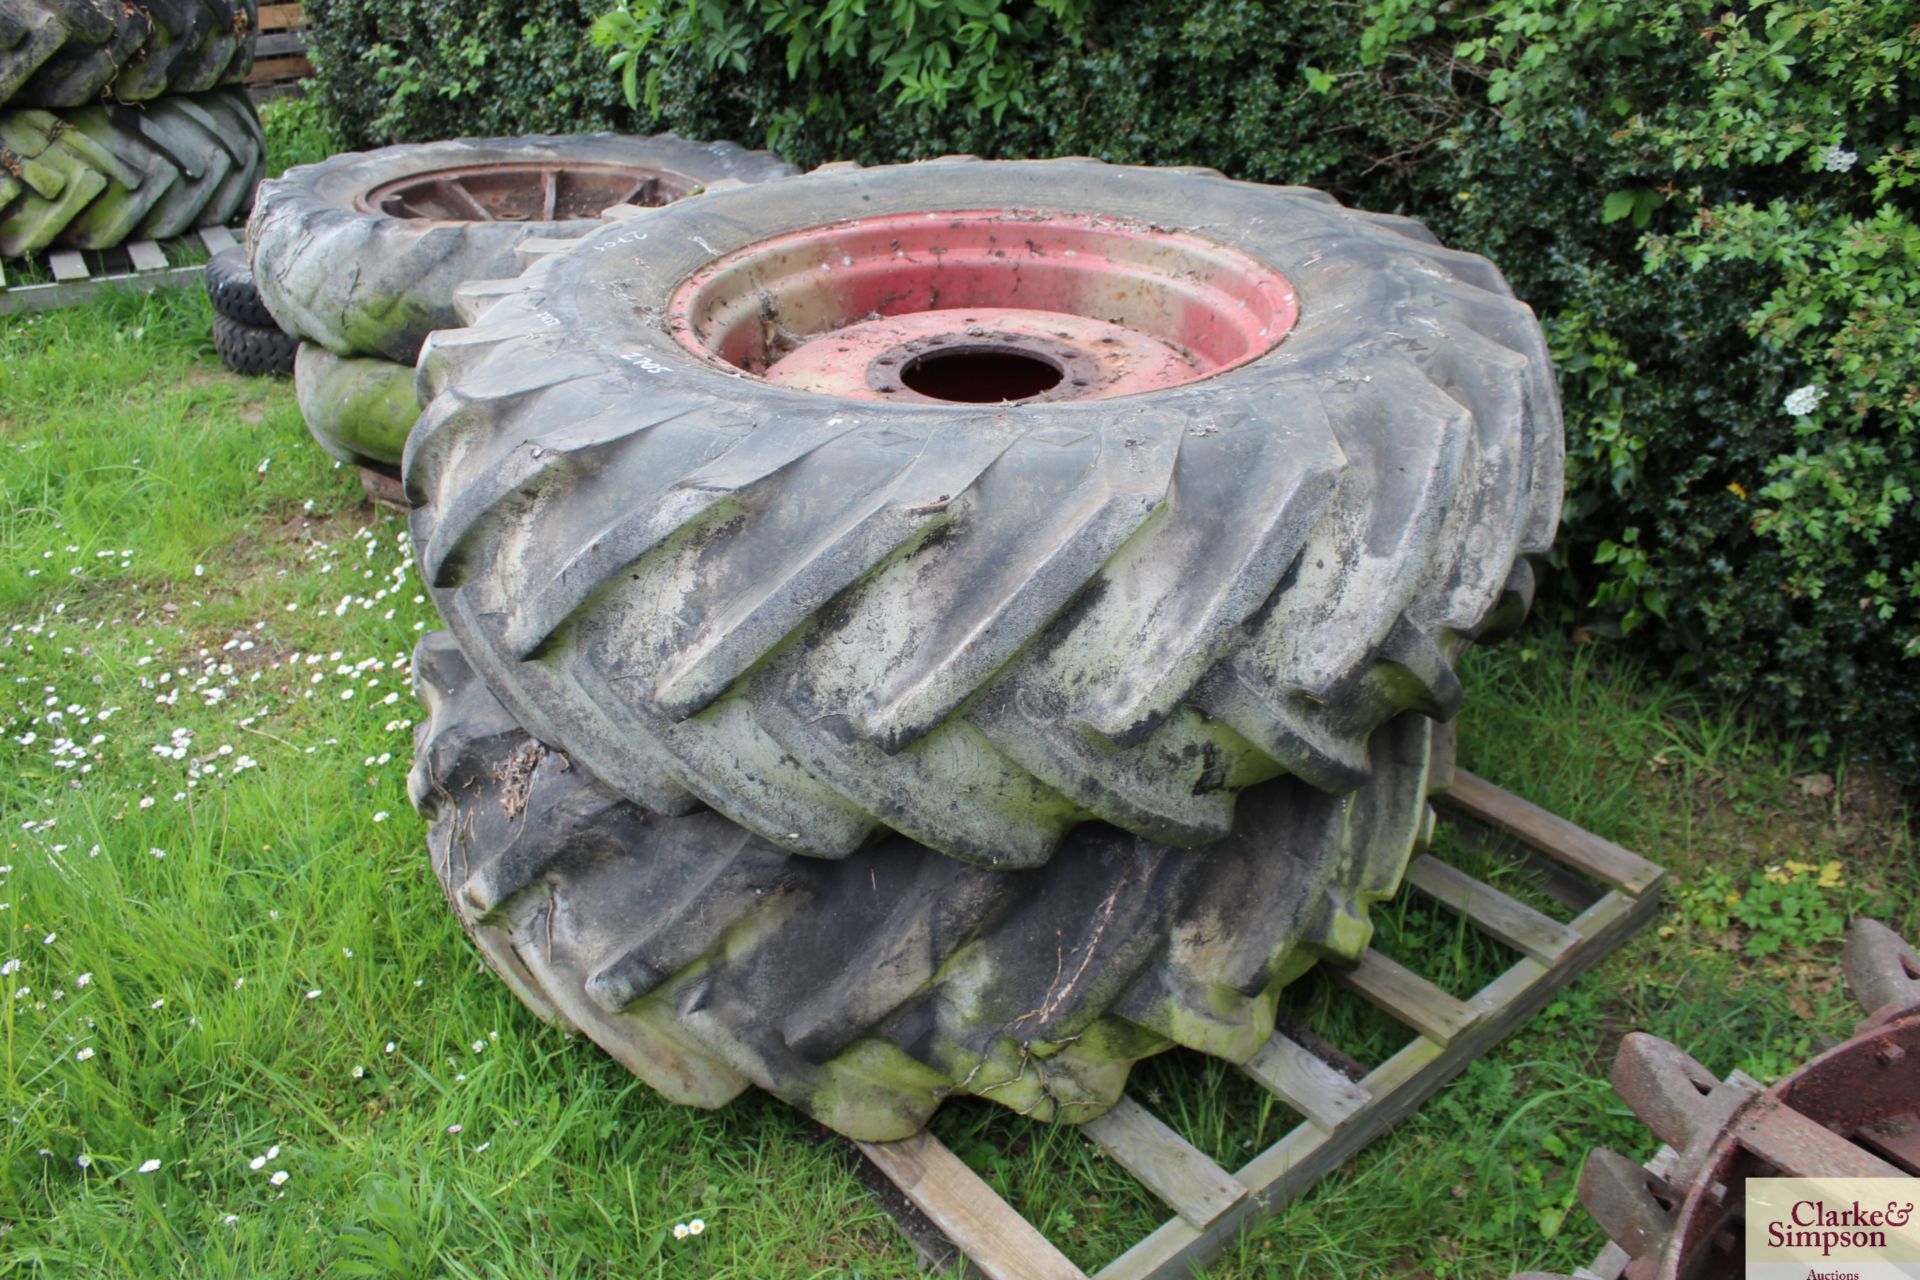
1833,1229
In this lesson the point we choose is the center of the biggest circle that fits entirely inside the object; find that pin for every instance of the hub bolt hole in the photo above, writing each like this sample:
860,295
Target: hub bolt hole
980,375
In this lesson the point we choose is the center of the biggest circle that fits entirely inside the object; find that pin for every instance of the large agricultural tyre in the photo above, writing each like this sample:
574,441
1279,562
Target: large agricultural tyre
94,177
867,990
359,408
361,252
977,501
69,53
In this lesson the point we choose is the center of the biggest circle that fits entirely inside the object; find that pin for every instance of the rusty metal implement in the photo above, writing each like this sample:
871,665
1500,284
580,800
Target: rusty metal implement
1851,1112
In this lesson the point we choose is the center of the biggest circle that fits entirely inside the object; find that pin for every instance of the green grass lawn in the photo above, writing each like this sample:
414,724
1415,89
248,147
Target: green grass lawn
244,1037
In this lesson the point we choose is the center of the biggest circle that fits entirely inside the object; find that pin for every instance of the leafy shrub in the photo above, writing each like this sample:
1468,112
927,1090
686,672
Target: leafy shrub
979,52
1711,208
418,70
298,131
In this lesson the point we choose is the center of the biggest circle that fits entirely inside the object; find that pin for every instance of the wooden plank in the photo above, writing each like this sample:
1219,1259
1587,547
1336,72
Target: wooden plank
146,255
280,44
1552,835
1399,1085
47,297
218,239
282,17
67,264
1004,1245
1407,996
1171,1167
1494,913
290,68
1293,1074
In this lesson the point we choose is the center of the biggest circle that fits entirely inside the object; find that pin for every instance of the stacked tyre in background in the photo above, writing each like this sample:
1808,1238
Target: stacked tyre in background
122,121
244,334
358,257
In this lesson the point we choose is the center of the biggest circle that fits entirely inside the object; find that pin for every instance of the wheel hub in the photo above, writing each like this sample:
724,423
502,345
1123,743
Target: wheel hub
983,307
982,355
524,191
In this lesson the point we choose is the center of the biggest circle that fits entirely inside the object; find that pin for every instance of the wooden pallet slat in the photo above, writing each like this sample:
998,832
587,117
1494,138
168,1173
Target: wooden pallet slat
1507,919
280,44
1167,1164
1407,997
1301,1080
146,256
1280,1174
282,17
1004,1245
67,264
292,67
138,266
1341,1116
1551,834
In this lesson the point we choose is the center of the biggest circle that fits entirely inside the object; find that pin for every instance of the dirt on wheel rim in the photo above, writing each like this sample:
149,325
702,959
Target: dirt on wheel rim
984,306
523,192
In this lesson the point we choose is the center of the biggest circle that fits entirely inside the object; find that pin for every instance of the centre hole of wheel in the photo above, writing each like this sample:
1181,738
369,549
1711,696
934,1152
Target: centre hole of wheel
980,375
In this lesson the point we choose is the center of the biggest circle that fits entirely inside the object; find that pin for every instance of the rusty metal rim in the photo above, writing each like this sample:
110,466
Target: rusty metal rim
475,189
1852,1111
1759,1137
1115,306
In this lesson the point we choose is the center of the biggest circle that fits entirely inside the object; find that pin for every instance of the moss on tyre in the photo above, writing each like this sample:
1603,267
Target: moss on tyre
687,541
68,53
358,408
866,991
94,177
361,252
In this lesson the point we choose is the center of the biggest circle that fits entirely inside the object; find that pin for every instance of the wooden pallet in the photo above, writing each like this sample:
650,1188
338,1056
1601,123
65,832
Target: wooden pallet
280,55
1615,893
139,265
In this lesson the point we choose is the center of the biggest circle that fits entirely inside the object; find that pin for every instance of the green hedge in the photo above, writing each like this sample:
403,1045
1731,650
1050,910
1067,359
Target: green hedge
1711,210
